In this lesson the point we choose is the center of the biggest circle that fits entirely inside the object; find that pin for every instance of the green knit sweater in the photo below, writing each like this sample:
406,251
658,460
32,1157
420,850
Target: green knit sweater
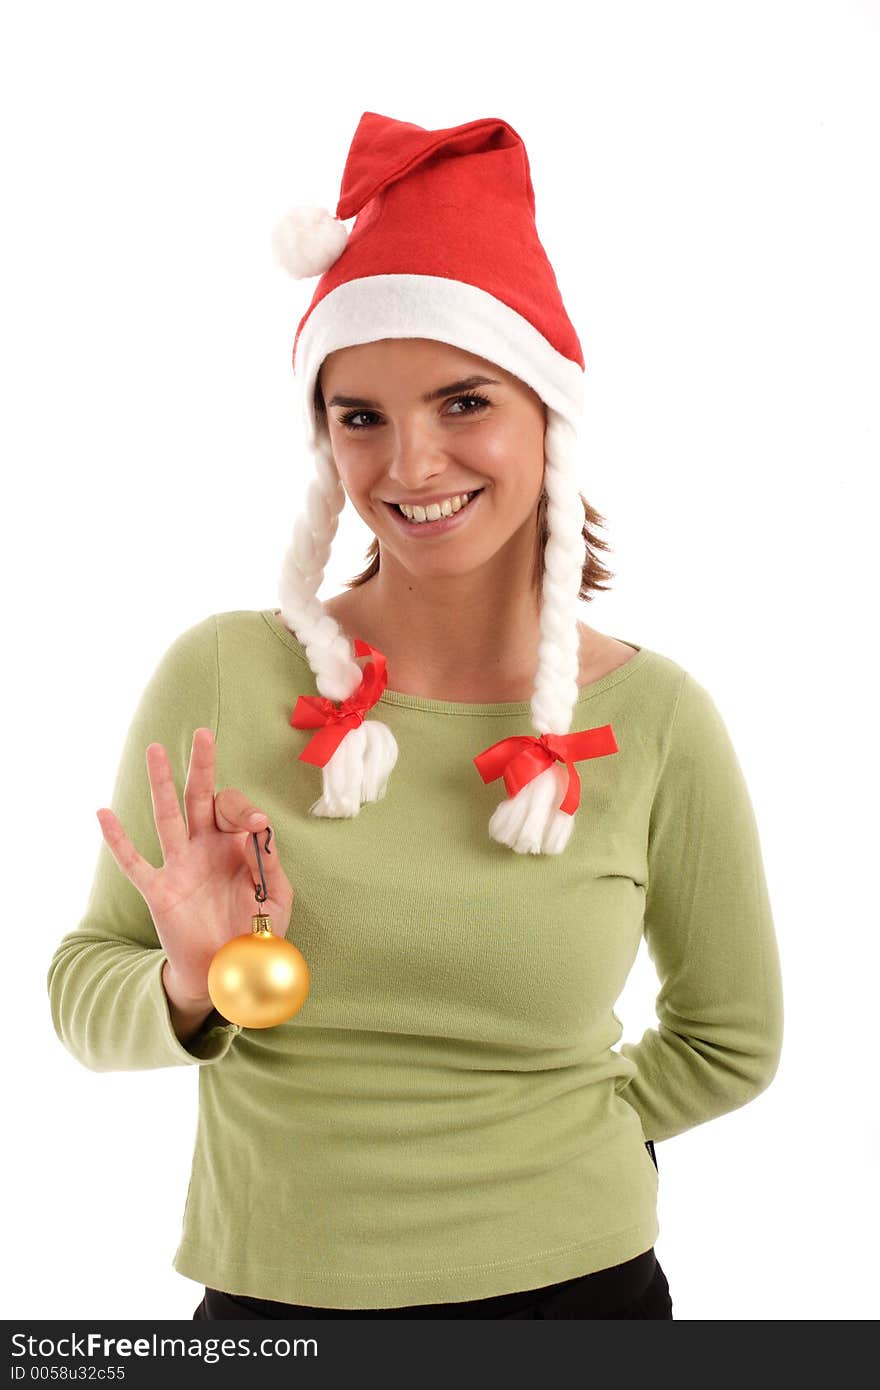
447,1117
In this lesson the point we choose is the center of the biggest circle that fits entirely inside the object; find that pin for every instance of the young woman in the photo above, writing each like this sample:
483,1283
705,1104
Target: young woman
445,1128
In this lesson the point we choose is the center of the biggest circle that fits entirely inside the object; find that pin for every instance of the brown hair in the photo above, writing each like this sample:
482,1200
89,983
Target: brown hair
594,572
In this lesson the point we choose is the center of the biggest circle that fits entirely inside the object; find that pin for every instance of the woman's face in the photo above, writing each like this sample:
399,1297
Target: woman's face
395,439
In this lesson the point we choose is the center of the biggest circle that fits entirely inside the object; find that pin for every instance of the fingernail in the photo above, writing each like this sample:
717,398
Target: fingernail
255,818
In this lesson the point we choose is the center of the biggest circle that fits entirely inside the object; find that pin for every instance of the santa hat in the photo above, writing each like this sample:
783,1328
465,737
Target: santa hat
444,246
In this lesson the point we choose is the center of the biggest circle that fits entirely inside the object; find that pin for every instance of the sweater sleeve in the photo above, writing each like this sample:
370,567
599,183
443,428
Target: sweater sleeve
107,1001
709,931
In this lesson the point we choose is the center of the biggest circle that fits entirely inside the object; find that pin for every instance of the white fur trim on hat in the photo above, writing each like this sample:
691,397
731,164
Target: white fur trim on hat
450,311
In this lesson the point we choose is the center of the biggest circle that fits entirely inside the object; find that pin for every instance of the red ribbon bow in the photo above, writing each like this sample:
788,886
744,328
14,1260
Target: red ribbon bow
522,757
335,721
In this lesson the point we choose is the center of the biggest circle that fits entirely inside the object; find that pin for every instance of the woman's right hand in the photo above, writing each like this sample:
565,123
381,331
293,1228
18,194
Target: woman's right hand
204,893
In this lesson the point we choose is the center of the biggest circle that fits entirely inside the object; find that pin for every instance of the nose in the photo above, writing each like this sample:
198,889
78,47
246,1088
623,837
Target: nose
416,459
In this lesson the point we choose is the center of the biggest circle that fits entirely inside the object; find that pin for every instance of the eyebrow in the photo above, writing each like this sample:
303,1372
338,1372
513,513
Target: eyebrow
454,386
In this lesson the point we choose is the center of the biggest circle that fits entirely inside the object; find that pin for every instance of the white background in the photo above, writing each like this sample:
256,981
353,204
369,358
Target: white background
706,187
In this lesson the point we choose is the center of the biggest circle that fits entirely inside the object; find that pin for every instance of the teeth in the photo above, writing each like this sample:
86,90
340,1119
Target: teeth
447,507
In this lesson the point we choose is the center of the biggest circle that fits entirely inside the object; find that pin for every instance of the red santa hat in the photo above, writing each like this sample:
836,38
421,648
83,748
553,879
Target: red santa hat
444,246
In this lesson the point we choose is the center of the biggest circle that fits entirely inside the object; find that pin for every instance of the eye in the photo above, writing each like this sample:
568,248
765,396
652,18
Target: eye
479,402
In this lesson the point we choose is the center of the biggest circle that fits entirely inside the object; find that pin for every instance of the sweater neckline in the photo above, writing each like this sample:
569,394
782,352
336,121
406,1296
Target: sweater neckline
421,702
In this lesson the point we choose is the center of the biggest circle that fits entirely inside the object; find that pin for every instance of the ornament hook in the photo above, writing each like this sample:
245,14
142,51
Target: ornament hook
261,893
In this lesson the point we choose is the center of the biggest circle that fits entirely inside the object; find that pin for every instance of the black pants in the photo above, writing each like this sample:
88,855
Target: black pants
586,1296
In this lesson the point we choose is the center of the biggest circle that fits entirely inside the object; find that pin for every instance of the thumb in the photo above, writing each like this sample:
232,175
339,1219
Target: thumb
234,811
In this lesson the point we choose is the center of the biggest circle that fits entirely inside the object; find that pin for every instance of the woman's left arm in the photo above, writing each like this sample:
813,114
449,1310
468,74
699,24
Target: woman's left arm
709,931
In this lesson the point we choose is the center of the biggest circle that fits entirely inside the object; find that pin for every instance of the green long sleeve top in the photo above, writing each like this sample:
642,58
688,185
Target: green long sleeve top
447,1116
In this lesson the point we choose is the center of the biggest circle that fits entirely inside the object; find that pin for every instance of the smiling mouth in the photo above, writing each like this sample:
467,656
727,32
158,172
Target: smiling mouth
440,524
453,511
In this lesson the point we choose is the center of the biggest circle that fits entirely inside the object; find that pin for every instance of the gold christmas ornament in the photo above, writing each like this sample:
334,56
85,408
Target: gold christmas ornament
258,979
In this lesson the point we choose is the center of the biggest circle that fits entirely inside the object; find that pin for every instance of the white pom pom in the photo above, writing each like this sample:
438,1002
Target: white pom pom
307,241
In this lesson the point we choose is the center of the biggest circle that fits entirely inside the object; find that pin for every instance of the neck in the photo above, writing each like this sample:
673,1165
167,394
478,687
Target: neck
457,634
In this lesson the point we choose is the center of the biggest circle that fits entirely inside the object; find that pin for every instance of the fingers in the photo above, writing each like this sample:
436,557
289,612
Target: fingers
198,794
233,810
138,870
170,825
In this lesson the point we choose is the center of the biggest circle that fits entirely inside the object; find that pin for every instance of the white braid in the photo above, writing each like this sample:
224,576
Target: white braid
531,822
359,769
